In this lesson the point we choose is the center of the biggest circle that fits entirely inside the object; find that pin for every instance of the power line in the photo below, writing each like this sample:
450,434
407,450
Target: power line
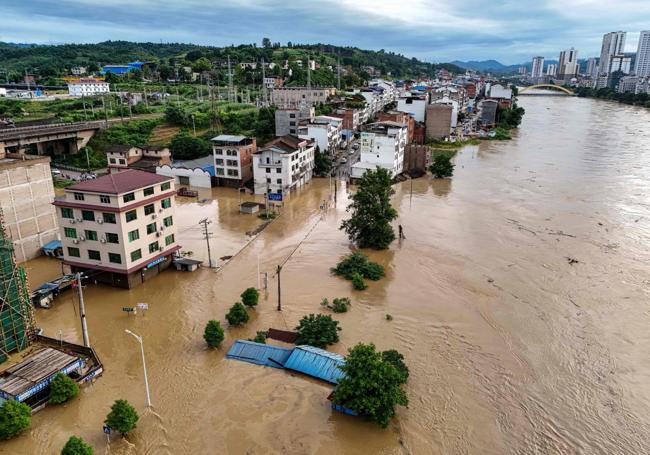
207,234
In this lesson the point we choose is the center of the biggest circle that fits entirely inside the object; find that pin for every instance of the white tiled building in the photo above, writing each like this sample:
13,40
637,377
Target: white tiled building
87,87
233,159
324,130
382,145
283,164
119,227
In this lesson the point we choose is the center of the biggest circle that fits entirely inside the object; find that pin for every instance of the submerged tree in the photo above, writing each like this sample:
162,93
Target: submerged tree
371,386
213,334
442,166
76,446
369,226
15,417
62,388
123,417
318,330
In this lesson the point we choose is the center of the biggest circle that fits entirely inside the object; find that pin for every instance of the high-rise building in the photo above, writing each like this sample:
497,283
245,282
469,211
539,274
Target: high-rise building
538,67
622,63
613,44
592,67
568,64
642,66
551,69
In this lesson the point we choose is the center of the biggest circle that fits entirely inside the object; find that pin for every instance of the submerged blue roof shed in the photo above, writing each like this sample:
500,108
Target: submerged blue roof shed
317,363
259,353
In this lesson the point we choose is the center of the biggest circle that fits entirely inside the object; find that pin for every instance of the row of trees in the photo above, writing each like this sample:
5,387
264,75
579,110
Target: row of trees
639,99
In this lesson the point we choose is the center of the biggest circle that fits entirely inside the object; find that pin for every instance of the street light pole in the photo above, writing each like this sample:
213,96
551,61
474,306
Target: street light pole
144,364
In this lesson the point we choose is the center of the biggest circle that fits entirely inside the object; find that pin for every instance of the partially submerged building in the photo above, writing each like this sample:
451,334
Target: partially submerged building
144,158
120,226
283,164
382,145
233,159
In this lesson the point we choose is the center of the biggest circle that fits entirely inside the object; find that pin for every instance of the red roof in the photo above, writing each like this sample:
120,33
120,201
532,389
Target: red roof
121,182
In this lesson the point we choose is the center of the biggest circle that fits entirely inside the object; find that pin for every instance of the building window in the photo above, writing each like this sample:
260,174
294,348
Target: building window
165,186
219,161
166,203
219,171
168,221
217,152
135,255
278,171
128,197
151,228
169,239
78,196
112,160
231,162
149,209
122,161
114,258
70,233
94,255
131,215
90,235
88,215
104,199
112,237
67,212
148,191
74,252
292,115
279,181
153,247
233,172
134,235
109,218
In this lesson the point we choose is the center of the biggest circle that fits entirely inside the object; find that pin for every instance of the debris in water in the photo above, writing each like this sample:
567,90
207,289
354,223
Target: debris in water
490,280
571,260
389,317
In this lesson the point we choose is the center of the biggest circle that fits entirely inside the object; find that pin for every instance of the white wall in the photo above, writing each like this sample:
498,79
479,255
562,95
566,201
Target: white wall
198,177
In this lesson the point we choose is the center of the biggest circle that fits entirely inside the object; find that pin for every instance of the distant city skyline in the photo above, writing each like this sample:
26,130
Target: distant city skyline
431,30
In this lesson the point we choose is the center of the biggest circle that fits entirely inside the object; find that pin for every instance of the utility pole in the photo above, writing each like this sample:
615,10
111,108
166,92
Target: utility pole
308,71
338,73
279,289
82,311
205,223
144,364
230,87
263,84
105,113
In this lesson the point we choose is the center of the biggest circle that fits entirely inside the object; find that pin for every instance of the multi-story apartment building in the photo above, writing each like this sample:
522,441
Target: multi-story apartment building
325,131
287,121
642,64
233,159
613,44
292,97
415,105
87,87
283,164
403,118
382,145
538,68
120,226
567,66
551,69
26,195
592,68
622,63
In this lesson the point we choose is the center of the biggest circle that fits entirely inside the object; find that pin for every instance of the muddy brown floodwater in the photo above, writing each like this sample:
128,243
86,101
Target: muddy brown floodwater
512,349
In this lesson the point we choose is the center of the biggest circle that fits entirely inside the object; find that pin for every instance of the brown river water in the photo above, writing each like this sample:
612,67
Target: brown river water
512,349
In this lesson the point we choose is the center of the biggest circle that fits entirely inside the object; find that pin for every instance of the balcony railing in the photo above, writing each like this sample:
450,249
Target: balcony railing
265,165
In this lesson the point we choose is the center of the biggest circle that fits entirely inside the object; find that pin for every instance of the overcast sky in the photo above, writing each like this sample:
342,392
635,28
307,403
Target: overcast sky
511,31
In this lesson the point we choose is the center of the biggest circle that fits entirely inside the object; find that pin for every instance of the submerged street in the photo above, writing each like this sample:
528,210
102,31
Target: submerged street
512,348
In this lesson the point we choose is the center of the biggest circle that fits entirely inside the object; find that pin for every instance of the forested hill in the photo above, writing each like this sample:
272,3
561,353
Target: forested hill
51,61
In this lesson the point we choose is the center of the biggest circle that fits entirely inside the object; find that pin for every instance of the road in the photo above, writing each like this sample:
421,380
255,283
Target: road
342,170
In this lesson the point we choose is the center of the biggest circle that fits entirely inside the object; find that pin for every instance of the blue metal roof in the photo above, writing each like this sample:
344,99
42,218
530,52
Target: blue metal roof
259,353
210,170
53,245
317,363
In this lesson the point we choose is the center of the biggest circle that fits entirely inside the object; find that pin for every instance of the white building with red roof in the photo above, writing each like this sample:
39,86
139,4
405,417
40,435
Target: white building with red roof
120,226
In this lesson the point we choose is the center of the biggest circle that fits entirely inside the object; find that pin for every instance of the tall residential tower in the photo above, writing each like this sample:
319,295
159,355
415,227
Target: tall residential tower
613,44
642,66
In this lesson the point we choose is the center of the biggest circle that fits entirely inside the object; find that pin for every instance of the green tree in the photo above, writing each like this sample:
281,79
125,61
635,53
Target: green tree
358,262
339,305
237,315
397,360
15,417
371,386
62,388
260,337
369,226
442,166
250,297
123,417
186,147
76,446
322,163
213,334
266,43
318,330
202,64
357,282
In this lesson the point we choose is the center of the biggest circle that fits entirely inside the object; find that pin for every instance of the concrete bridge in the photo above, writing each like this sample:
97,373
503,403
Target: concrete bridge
546,90
50,139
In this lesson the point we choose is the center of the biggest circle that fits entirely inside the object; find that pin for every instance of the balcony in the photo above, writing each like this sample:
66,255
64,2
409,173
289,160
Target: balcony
264,165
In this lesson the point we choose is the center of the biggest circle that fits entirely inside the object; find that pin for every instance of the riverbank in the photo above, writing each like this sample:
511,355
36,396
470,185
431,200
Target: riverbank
640,99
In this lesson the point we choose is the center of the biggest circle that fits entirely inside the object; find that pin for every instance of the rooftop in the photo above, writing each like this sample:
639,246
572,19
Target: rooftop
229,138
121,182
286,144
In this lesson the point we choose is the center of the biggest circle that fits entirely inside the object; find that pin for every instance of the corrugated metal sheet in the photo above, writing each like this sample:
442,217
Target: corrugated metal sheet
317,363
259,353
282,335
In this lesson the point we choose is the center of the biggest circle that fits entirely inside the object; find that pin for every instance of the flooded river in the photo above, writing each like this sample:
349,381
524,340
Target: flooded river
512,349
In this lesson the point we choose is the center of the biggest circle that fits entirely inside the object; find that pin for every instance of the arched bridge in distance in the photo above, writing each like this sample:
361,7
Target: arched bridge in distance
548,90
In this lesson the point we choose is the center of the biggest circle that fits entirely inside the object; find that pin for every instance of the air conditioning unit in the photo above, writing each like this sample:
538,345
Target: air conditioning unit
75,241
82,238
154,216
102,241
100,221
160,210
158,234
72,221
79,220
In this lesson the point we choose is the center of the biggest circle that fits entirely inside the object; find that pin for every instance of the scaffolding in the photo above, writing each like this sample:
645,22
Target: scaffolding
16,313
